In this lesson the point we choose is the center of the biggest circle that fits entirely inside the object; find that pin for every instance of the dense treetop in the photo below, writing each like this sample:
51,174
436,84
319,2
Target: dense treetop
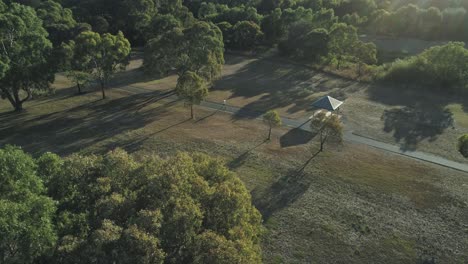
120,209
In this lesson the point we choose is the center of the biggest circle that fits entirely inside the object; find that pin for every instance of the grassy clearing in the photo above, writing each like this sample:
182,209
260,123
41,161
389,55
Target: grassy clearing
427,121
350,204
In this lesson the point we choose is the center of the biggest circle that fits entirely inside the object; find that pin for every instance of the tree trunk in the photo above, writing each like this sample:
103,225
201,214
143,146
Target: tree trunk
322,142
18,106
79,87
103,91
269,133
191,111
14,98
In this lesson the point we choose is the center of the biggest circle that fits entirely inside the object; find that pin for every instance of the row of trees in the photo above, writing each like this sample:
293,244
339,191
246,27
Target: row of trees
119,209
415,22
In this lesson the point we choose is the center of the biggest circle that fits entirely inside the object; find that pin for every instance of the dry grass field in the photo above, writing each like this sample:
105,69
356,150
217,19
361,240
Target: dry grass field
427,121
350,204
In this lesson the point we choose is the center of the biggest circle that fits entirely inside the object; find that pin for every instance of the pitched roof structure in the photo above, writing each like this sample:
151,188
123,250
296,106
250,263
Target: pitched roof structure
327,103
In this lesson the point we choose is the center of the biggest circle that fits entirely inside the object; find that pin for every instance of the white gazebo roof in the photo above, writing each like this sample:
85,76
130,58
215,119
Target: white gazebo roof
328,103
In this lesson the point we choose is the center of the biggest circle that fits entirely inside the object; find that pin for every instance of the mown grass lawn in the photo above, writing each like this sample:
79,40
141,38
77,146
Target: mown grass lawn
350,204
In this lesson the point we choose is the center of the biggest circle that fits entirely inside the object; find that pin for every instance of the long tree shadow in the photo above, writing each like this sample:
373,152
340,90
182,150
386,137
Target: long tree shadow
277,85
295,137
416,116
242,158
133,144
285,191
79,127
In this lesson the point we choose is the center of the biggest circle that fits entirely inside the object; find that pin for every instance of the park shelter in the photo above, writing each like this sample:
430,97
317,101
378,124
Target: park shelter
328,103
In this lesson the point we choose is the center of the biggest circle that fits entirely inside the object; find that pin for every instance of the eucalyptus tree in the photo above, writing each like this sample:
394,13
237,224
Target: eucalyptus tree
328,126
117,208
24,54
192,89
26,213
106,54
198,48
273,119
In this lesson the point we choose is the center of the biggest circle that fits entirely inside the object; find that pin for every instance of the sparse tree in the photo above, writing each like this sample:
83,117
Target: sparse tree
364,53
463,145
343,38
192,88
76,68
273,119
106,54
327,126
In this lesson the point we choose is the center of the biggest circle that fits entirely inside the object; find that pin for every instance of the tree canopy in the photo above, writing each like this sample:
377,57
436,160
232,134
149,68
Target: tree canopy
117,208
26,227
273,119
463,145
328,126
192,89
104,54
199,49
25,54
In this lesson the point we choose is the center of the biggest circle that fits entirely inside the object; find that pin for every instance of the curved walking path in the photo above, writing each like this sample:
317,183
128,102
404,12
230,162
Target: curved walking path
303,124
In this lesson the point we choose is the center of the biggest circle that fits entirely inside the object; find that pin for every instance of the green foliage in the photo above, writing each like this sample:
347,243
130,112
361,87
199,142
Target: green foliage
139,15
234,15
191,88
272,27
76,64
25,54
26,229
160,25
104,54
245,35
272,118
427,23
270,5
442,67
463,145
328,126
304,42
116,209
199,49
58,21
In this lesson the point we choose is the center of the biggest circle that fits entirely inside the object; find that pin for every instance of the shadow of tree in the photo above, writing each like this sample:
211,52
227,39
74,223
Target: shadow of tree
69,131
280,85
285,191
412,125
242,158
295,137
416,115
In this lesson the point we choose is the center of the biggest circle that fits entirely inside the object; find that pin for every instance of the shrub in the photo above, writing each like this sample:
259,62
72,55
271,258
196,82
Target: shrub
443,67
463,145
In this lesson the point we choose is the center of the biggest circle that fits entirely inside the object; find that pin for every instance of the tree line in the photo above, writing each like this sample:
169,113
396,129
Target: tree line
119,208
